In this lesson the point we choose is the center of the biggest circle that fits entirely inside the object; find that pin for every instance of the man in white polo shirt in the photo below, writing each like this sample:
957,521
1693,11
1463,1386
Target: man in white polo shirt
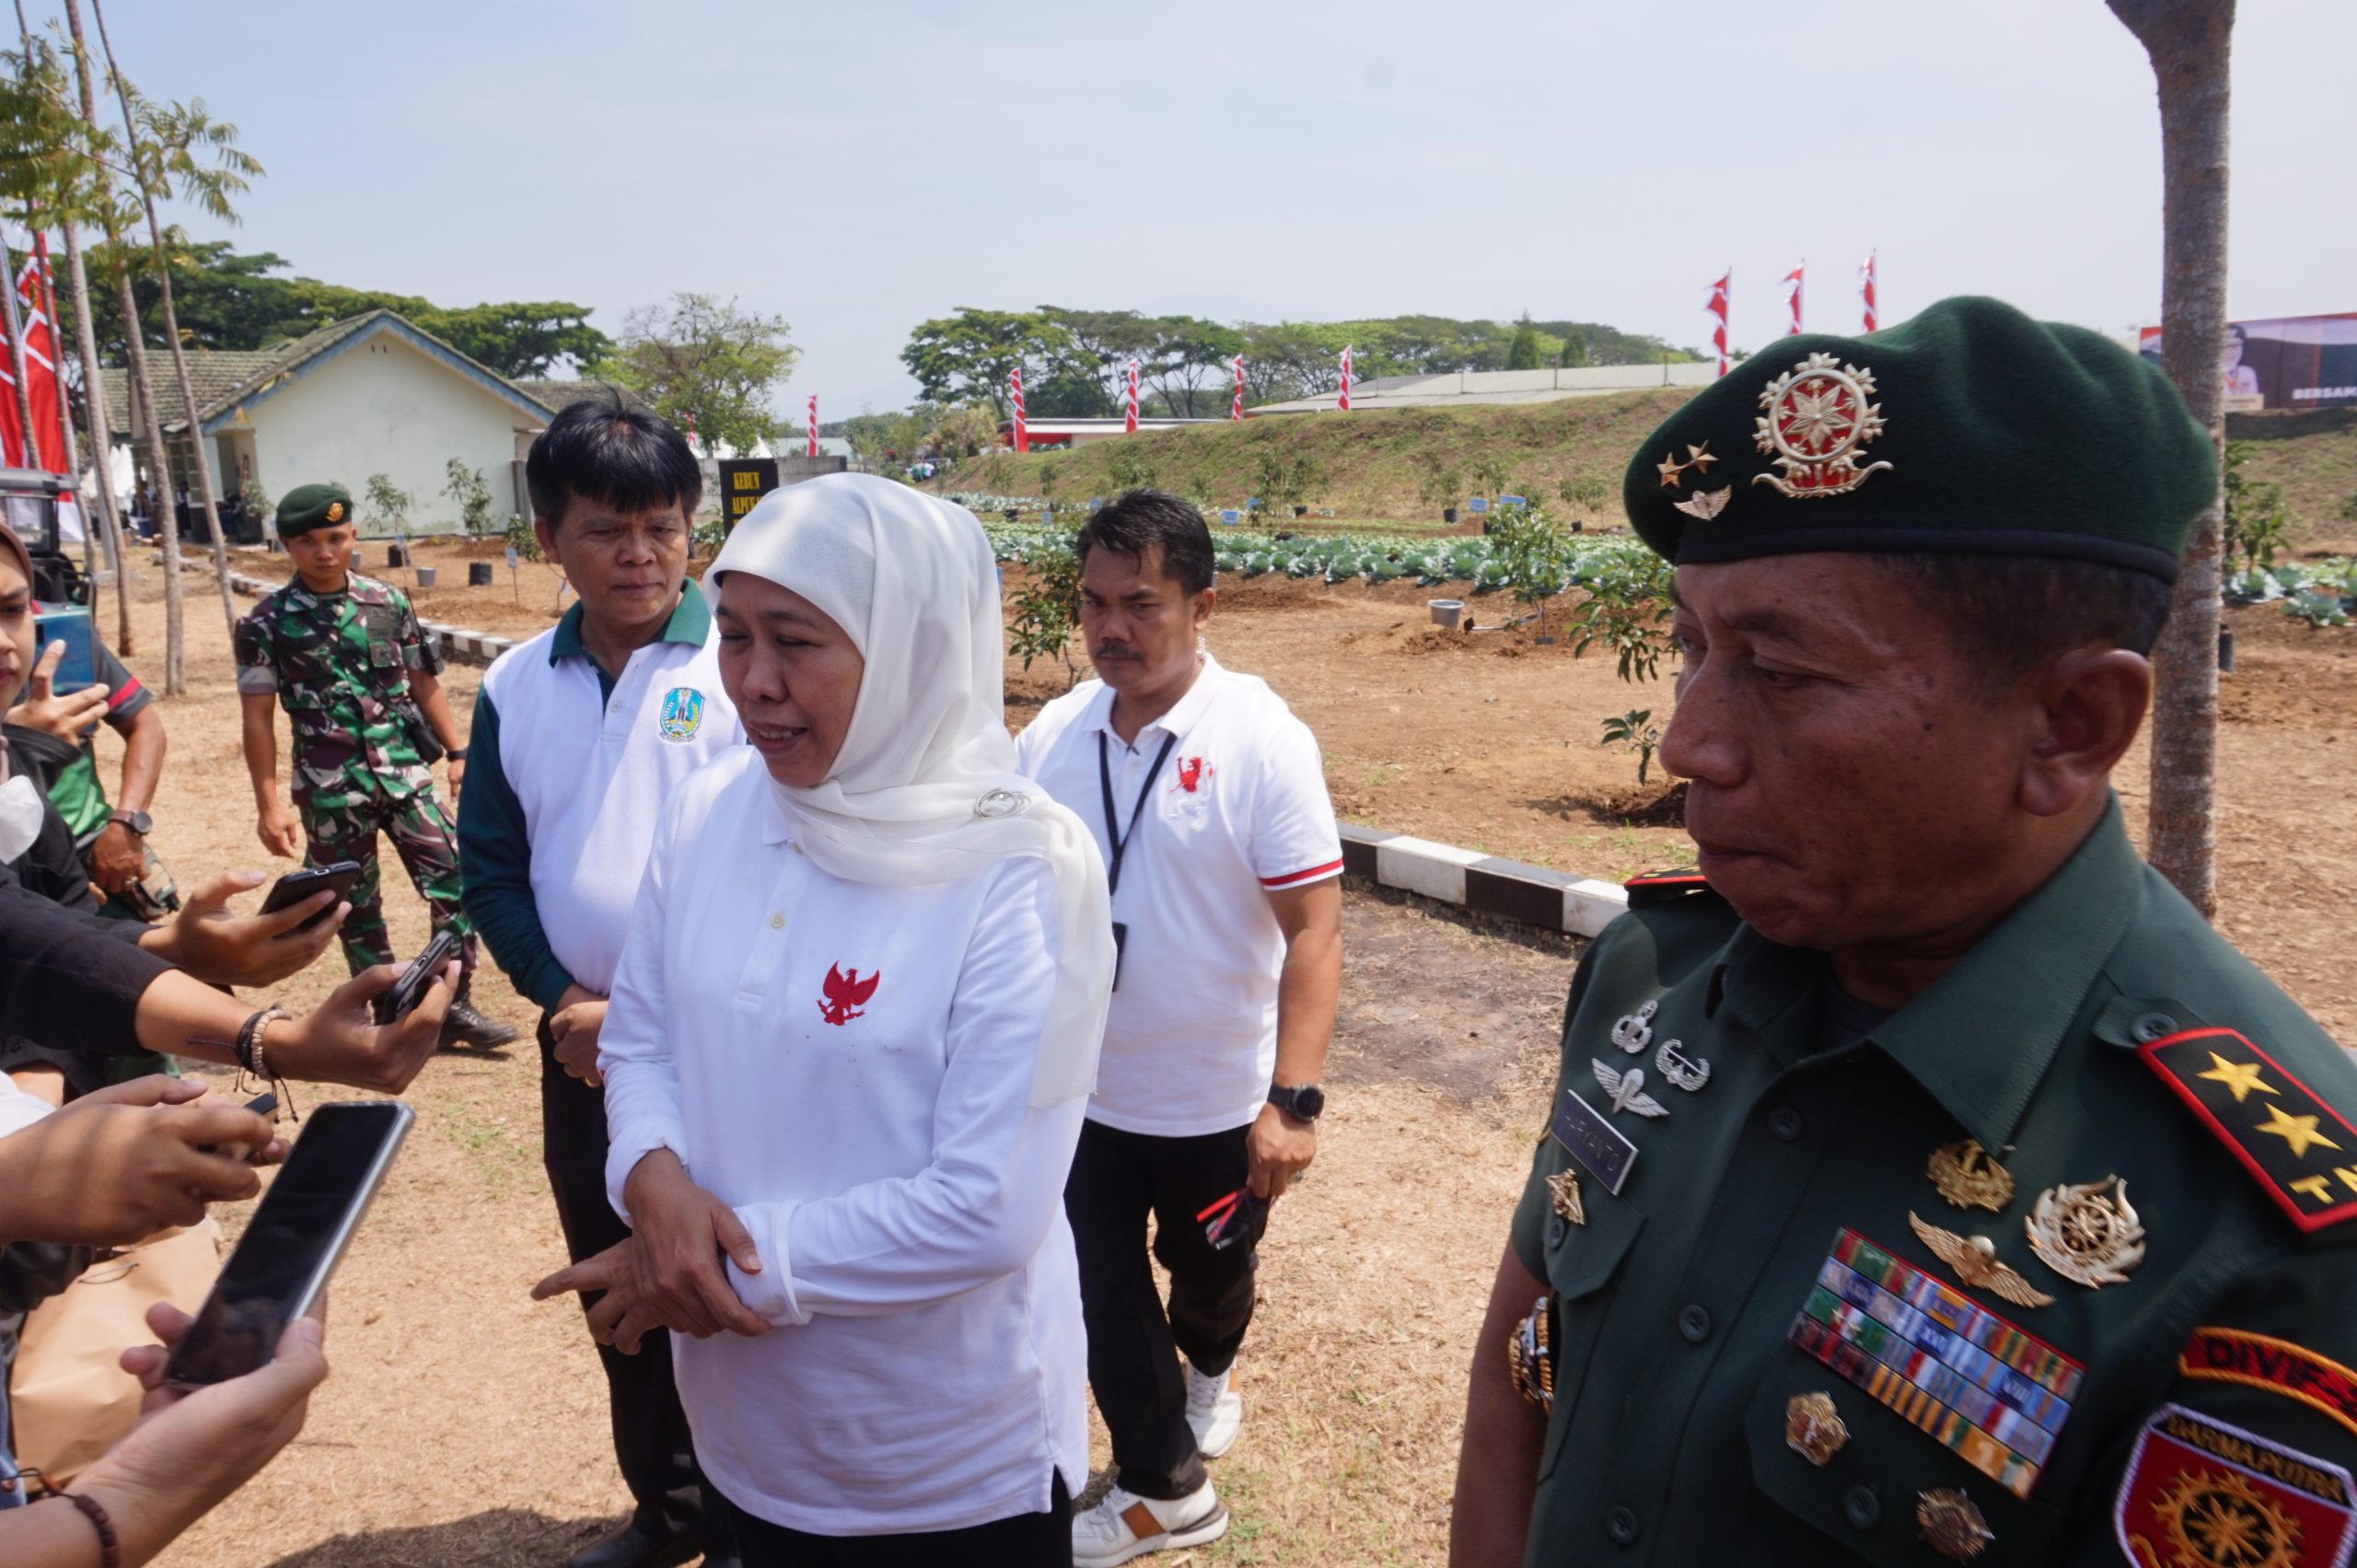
1209,803
580,736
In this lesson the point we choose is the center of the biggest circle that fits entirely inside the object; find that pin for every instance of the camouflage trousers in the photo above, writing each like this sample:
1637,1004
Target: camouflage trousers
421,836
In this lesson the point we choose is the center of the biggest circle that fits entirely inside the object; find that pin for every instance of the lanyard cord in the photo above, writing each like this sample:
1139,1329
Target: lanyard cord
1112,824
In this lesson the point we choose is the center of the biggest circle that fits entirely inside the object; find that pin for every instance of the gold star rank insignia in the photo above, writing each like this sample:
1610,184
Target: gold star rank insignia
2300,1148
2300,1131
2240,1078
1564,1191
1699,458
1669,469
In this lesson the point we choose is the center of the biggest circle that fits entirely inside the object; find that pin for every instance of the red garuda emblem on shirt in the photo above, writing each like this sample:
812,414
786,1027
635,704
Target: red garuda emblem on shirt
1819,414
846,994
1193,773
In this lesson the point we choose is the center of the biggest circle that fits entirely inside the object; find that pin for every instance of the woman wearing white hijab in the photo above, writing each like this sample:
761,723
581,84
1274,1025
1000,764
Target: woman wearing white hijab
851,1041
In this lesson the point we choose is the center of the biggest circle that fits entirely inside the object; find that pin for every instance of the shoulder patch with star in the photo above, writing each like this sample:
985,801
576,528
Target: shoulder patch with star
2298,1147
1657,887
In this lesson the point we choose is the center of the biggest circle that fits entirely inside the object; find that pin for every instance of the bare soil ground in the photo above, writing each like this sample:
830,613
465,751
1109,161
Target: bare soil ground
466,1425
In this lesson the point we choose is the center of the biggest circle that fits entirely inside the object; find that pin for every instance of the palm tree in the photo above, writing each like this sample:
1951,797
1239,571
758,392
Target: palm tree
166,141
141,389
2189,43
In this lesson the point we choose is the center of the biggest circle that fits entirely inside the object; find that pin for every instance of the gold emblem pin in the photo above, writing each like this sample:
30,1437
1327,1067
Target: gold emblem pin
1705,503
1699,458
1669,467
1819,414
1970,1178
2084,1236
1564,1191
1952,1524
335,512
1813,1428
1974,1258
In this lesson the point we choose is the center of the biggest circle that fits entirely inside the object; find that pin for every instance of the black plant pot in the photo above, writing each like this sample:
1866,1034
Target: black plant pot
478,574
1448,514
396,556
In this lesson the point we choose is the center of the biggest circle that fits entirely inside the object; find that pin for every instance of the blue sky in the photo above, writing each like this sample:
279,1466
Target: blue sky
859,166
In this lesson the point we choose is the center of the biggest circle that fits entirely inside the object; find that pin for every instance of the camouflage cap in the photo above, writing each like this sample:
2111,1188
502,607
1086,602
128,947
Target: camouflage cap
309,507
1969,429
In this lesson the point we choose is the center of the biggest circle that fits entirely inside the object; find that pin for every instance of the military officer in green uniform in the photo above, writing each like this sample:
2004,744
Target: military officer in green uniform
346,656
1925,1181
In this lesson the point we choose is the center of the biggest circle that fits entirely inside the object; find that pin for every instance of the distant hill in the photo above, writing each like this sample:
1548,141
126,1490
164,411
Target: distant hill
1374,463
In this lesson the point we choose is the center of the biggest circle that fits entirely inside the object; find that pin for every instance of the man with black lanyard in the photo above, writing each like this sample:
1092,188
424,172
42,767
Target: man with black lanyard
1208,797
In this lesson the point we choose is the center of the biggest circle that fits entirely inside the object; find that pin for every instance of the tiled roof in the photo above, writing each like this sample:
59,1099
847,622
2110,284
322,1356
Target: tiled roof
223,378
556,393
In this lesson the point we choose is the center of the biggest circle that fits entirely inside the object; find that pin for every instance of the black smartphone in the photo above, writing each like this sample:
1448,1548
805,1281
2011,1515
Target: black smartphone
297,1236
297,886
410,990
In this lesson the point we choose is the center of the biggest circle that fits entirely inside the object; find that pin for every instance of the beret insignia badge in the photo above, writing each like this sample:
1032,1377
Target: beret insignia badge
335,512
1819,415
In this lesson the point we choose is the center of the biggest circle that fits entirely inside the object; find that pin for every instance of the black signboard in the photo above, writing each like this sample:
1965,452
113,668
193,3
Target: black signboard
743,482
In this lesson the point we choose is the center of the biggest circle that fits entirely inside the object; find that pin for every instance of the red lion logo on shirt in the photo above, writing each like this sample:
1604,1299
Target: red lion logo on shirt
1193,773
846,994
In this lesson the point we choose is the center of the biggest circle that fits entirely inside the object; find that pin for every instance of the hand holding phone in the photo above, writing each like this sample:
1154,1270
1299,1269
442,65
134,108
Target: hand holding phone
297,1234
393,1005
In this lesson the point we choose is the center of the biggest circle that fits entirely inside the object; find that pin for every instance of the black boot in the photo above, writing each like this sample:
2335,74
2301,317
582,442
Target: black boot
463,1025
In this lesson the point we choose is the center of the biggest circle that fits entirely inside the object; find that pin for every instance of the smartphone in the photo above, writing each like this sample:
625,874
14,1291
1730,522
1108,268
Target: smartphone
297,1236
297,886
410,990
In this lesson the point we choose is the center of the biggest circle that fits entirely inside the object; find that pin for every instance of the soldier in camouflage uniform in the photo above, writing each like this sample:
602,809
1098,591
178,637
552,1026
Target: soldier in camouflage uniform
346,656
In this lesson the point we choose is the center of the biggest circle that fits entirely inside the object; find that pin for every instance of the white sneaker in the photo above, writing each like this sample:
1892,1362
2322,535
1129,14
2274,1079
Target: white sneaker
1126,1526
1214,1410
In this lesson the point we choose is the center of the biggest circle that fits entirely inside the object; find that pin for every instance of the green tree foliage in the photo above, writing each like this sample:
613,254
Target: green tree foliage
2257,516
1628,613
388,504
965,358
883,439
707,364
465,485
1522,354
1632,731
1045,606
227,300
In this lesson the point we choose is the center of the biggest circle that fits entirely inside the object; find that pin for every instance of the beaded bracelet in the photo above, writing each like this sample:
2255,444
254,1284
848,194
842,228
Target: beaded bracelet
110,1548
248,1046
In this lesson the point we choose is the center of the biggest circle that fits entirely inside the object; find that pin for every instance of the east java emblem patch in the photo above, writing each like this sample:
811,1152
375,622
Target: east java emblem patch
2199,1494
682,714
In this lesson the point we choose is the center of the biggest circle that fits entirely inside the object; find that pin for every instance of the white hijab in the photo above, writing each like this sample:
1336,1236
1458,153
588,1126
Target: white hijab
924,789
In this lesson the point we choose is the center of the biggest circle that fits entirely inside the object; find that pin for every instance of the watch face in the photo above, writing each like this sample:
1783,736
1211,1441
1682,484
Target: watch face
1309,1102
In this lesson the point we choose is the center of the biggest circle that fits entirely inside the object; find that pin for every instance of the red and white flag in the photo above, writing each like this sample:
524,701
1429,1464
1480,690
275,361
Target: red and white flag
1345,404
1015,394
1793,297
1131,401
1866,292
1718,310
1236,404
34,311
812,421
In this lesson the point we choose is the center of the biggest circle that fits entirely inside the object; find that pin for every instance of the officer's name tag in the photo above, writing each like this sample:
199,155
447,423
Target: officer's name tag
1594,1142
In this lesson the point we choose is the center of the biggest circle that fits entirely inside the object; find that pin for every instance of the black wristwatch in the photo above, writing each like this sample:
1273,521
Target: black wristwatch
1305,1103
138,822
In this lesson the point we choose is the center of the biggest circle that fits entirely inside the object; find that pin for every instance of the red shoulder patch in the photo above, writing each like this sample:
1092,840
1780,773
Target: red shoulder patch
2302,1151
2199,1491
1657,887
2261,1361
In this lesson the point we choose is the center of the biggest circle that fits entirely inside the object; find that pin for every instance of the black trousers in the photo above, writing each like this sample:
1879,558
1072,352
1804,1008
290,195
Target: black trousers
651,1441
1118,1178
1025,1540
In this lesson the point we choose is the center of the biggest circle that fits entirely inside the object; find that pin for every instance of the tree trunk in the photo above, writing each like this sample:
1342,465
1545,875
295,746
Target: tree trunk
94,405
143,407
2189,44
172,336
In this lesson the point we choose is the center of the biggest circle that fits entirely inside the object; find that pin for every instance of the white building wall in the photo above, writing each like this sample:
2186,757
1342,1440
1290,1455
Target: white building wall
385,407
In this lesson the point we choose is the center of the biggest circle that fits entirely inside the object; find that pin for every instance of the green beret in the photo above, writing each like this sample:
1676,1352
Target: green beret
1969,429
309,507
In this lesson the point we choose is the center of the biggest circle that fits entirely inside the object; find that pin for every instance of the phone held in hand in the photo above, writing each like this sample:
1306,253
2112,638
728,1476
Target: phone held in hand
297,886
291,1245
392,1006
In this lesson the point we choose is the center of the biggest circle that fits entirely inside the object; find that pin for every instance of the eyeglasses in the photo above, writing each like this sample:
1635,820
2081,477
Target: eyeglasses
1232,1218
